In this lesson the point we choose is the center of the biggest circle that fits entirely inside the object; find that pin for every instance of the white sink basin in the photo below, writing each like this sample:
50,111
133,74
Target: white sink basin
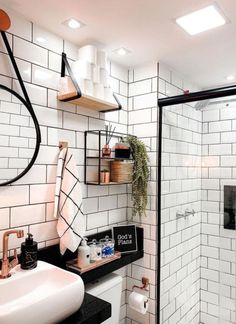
44,295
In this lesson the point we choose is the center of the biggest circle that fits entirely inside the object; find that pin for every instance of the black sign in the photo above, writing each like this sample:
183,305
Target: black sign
125,238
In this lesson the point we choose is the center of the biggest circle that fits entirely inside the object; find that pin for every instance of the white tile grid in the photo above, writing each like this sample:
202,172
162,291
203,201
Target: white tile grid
142,116
181,190
218,244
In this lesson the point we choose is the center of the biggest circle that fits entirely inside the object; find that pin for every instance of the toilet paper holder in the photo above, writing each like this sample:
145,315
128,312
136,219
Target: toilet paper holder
145,282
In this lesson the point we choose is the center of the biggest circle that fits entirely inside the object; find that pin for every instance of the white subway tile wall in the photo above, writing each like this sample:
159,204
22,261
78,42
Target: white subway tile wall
142,116
218,253
28,204
181,190
198,282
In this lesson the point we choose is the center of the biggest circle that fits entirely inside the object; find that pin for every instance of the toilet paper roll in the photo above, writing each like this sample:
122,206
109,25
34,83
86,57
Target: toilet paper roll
88,88
96,74
138,302
108,95
101,59
104,77
80,82
88,53
82,69
99,91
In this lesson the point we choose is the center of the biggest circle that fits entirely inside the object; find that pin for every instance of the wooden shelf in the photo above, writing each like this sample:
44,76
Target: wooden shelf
109,158
88,102
73,264
106,184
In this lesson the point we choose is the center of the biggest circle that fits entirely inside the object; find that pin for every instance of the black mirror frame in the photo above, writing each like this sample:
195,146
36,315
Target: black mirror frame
38,135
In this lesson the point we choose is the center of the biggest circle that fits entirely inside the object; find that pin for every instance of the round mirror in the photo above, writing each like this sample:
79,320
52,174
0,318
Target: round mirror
19,136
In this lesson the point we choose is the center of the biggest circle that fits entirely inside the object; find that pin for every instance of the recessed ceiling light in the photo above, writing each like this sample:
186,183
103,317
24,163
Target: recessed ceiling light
121,51
73,23
40,39
230,77
201,20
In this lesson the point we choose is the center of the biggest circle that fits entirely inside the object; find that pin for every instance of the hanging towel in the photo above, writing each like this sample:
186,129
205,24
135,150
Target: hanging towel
68,203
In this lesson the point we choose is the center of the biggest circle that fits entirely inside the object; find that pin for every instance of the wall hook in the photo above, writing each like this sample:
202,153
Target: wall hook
145,282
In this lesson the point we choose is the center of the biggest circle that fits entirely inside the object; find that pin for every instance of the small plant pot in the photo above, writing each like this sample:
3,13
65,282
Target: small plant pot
122,151
104,177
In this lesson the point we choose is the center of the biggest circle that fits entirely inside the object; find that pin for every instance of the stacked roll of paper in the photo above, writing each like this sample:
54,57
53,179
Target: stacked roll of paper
89,87
82,69
99,91
91,73
96,74
104,77
108,94
88,53
101,59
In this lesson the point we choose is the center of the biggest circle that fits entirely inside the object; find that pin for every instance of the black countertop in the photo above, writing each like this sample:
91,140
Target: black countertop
92,311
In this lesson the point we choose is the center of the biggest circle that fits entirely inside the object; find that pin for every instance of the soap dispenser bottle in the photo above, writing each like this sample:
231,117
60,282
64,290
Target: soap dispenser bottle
83,254
29,253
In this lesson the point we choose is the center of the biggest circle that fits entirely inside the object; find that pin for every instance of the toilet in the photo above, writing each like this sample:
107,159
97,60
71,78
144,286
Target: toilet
108,288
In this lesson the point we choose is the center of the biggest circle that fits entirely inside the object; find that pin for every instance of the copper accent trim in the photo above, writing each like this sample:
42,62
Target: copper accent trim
145,282
6,265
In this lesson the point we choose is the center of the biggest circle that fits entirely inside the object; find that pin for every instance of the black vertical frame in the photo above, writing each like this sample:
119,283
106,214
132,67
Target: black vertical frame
159,160
170,101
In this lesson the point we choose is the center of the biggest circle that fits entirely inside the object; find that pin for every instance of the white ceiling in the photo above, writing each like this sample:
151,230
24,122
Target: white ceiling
147,29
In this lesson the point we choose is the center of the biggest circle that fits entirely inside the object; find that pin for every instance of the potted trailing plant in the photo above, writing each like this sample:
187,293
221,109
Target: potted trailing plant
140,174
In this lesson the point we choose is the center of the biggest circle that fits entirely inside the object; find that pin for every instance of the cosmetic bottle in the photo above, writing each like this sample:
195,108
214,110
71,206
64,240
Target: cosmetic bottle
83,254
29,253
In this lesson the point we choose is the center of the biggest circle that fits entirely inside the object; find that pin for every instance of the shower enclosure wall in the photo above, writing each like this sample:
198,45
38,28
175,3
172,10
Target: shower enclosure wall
198,255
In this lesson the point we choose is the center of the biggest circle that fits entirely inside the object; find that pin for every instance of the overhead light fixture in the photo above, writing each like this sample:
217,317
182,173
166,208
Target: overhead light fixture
40,39
201,20
73,23
230,77
121,51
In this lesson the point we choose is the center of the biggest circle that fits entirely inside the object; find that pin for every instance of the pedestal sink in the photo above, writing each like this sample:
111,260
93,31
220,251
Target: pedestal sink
44,295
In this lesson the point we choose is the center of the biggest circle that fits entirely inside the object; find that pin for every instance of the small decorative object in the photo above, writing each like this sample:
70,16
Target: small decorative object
106,150
122,151
93,251
122,171
107,245
105,176
125,237
140,174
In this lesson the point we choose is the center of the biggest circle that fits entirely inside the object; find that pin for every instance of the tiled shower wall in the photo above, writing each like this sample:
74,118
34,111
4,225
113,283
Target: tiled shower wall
142,121
28,203
181,191
218,272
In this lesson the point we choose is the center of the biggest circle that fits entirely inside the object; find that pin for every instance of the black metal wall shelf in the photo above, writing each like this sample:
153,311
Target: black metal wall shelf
76,97
99,158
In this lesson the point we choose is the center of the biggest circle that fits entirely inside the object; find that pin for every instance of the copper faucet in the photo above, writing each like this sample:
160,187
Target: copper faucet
6,265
